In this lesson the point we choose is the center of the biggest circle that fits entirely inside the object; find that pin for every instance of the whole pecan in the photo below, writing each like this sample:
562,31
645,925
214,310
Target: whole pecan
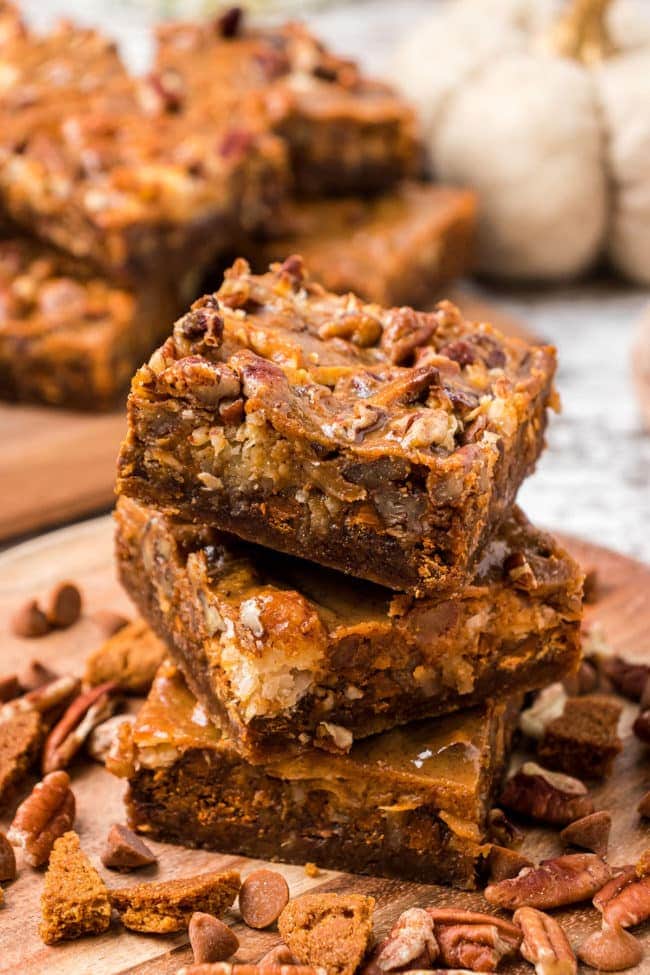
545,945
411,940
69,734
562,880
547,797
468,939
47,813
630,905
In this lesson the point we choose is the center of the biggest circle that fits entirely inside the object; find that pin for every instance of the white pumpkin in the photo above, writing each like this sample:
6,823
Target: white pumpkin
544,108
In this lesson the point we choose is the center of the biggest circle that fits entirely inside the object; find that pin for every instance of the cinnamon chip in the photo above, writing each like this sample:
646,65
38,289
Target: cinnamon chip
125,851
263,896
211,939
331,931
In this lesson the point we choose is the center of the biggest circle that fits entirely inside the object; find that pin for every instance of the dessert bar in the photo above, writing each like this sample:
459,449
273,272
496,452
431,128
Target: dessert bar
345,133
124,171
410,803
387,444
395,249
289,654
69,337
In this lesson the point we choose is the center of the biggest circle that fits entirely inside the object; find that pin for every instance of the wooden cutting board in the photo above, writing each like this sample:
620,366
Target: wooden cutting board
84,553
58,465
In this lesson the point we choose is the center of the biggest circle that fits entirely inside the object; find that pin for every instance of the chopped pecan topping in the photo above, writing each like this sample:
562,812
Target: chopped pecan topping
545,945
69,734
555,883
548,797
198,380
518,570
47,813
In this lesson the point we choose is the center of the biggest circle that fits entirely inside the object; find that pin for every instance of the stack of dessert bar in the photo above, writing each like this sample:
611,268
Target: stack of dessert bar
317,515
119,193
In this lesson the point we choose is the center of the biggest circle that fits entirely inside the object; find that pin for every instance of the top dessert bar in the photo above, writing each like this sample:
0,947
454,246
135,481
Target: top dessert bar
395,249
122,171
387,444
345,133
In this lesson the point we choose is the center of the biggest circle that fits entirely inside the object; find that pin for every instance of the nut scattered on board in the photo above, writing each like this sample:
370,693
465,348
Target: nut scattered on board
47,700
211,940
330,931
69,734
503,831
30,621
109,621
546,797
589,833
125,851
166,906
628,678
545,945
623,902
554,883
7,860
64,605
47,813
410,943
468,939
504,863
75,900
263,896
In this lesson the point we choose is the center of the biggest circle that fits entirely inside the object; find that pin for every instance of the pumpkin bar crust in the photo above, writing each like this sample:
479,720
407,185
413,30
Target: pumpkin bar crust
385,443
395,249
69,337
345,133
410,803
290,655
125,171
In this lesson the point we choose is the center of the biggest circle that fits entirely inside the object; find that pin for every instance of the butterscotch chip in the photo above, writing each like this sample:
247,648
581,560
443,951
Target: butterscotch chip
75,899
64,606
167,906
262,898
211,939
125,850
30,621
108,621
130,657
311,869
21,738
328,930
7,859
590,832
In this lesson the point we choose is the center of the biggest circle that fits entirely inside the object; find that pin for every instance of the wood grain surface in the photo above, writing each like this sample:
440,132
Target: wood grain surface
84,553
58,465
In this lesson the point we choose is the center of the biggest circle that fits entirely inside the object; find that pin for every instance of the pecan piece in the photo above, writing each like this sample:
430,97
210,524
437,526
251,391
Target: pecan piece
68,736
229,23
547,797
611,950
502,831
467,939
545,944
630,905
590,833
562,880
410,943
47,813
200,381
46,700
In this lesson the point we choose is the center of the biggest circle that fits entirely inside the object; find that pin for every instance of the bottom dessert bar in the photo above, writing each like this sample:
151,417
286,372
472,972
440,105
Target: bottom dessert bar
396,249
69,337
291,654
409,803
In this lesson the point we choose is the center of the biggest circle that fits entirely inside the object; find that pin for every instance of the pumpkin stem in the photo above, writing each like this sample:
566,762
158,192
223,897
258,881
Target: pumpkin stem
581,32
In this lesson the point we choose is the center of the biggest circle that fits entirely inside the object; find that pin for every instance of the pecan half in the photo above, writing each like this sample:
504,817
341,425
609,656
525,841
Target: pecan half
67,737
545,945
630,905
411,940
47,813
547,797
562,880
611,950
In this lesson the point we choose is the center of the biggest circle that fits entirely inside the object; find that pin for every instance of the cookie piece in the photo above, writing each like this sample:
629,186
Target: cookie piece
21,737
75,899
328,930
168,905
584,740
130,657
